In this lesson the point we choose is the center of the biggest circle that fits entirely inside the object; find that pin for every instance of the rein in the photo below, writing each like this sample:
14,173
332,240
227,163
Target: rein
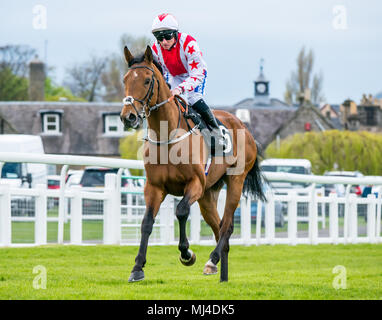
144,115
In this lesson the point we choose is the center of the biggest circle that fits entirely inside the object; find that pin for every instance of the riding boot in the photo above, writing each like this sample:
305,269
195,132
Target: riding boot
204,110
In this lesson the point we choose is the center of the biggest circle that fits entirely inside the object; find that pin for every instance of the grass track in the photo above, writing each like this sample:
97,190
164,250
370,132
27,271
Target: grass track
263,272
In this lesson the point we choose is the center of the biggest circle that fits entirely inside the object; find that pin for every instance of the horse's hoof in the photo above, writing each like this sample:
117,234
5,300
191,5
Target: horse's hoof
190,261
210,268
136,276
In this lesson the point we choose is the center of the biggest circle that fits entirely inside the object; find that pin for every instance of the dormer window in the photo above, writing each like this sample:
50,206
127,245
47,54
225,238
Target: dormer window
113,125
51,122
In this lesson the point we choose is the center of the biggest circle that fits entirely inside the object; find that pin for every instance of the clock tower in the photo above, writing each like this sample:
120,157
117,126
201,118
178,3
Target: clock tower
261,87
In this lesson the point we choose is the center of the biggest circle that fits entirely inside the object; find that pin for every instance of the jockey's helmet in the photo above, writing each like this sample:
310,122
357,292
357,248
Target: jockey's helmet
164,21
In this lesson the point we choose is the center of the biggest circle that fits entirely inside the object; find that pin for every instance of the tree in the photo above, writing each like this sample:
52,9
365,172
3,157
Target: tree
116,67
16,58
131,147
333,149
301,80
136,45
14,61
12,87
57,93
84,79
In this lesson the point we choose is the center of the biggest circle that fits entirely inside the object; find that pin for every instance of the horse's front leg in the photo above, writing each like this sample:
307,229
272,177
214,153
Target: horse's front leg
153,197
193,192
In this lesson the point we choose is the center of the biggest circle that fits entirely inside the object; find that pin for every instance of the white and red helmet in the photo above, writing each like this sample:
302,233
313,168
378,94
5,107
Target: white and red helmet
164,21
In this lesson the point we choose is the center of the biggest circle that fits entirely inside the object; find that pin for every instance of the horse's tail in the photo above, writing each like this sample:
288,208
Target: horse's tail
254,181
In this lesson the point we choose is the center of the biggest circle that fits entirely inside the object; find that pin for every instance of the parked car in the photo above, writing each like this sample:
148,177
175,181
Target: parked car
94,177
297,166
340,189
73,178
279,216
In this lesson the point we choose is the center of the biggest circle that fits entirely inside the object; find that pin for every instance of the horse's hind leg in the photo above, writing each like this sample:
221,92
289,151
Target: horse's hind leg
234,190
208,208
192,192
153,197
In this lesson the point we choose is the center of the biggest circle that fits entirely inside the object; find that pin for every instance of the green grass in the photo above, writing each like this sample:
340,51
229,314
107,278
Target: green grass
255,272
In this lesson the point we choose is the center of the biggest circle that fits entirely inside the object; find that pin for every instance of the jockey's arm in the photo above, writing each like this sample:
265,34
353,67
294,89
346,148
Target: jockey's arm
197,68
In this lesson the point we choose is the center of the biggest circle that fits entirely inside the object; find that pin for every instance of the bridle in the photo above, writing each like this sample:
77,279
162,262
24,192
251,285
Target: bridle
145,102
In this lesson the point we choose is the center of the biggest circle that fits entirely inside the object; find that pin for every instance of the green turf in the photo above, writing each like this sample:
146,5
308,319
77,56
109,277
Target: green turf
256,272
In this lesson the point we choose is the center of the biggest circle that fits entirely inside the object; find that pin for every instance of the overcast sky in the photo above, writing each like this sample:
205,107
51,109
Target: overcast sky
233,35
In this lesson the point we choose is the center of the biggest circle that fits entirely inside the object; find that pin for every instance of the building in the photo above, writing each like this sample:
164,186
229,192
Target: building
75,128
366,116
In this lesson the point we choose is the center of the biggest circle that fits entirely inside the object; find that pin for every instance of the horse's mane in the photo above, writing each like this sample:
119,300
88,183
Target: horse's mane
140,58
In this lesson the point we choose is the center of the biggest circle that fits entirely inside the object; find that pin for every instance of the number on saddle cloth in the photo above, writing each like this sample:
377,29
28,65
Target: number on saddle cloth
208,138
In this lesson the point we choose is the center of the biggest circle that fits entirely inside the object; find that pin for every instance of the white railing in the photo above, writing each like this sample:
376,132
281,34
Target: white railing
324,221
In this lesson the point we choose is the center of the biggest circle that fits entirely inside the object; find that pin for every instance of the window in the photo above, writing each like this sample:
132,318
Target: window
370,116
113,125
51,122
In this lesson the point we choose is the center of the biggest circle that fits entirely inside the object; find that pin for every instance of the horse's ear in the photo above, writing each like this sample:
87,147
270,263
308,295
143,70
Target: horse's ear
128,55
148,55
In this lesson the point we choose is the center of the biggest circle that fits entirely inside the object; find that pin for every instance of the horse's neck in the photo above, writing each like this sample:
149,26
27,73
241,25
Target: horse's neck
168,113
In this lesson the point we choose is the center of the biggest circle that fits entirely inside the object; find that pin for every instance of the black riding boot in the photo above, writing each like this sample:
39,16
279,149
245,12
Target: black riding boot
204,110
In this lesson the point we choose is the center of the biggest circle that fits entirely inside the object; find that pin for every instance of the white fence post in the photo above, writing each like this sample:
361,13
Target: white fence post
270,218
333,217
61,205
259,221
195,223
371,211
292,218
245,219
353,218
40,226
166,214
112,211
313,216
76,216
346,213
378,222
5,215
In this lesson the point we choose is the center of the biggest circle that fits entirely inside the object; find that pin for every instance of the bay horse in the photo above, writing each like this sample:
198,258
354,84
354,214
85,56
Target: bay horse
148,95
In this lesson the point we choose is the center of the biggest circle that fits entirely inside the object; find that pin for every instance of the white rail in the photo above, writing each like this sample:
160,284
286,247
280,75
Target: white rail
324,222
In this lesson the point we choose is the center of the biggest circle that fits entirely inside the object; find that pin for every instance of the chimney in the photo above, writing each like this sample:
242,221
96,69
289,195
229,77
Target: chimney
36,80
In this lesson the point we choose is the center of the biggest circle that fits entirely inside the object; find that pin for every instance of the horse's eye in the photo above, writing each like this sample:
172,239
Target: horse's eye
147,81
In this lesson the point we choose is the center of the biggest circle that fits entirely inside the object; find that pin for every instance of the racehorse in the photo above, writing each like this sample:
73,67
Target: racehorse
147,95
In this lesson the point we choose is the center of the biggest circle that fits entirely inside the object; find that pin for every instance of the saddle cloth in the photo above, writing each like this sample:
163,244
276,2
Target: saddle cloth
214,149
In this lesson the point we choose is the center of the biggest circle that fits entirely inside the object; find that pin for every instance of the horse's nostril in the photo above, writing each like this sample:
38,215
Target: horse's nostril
132,117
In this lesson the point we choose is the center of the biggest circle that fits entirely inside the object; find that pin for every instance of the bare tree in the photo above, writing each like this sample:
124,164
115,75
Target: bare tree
300,80
84,79
16,58
117,67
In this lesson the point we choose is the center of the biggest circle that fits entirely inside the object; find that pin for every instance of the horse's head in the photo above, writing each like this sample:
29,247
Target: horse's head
140,85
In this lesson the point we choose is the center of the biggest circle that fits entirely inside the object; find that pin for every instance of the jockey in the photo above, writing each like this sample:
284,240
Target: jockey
183,67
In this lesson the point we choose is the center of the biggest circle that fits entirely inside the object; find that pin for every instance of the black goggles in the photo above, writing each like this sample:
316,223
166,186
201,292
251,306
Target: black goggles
160,35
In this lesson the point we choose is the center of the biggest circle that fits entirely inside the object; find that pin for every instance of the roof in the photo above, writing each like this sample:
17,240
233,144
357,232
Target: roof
301,109
82,125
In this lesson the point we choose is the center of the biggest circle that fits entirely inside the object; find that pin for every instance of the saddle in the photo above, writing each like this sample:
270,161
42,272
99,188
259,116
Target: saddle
214,149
